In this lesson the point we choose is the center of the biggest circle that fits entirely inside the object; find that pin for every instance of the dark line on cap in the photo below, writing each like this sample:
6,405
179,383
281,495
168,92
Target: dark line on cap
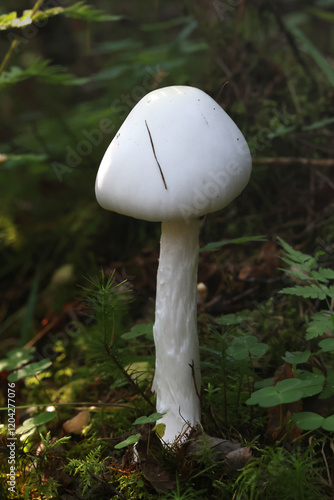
155,156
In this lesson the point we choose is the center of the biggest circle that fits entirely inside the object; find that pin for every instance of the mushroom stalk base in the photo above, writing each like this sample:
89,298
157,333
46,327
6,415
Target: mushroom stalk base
177,370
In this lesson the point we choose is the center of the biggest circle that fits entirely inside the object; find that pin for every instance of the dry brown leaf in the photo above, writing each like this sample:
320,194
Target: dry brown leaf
150,450
76,424
237,459
223,449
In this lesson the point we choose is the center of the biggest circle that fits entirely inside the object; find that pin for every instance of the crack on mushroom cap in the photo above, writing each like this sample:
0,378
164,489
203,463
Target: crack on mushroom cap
206,121
155,156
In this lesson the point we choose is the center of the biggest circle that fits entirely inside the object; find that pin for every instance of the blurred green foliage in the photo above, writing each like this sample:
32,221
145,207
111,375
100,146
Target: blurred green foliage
70,74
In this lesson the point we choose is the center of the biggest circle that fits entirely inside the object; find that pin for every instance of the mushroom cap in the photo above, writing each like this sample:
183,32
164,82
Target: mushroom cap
178,155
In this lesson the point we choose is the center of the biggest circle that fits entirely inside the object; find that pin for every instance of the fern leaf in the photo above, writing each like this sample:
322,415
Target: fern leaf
308,292
85,12
295,258
302,275
324,274
92,464
322,322
78,11
43,71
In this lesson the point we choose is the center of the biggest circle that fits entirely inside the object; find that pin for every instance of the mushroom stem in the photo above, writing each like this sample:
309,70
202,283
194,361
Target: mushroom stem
177,369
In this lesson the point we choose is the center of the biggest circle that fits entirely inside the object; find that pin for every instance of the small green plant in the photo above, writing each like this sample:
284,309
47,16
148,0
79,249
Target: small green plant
104,345
18,361
187,493
31,425
92,465
288,391
36,482
280,474
132,486
247,346
134,438
315,282
232,361
44,489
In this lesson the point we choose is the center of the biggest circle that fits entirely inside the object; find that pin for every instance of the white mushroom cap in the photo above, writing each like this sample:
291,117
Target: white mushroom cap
178,155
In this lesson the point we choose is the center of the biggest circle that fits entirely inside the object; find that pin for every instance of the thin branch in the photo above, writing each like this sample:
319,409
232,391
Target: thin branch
287,160
192,366
75,404
330,481
9,54
36,7
42,332
109,487
129,378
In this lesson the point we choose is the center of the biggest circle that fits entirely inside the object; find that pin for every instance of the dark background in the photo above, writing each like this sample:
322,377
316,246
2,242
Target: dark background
268,64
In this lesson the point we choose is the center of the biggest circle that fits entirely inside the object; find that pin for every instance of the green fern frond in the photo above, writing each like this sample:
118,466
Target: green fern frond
315,284
87,13
49,444
295,258
321,323
323,274
43,71
92,464
105,349
77,11
308,292
299,274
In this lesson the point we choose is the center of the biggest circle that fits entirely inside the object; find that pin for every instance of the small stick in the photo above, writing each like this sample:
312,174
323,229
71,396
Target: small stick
221,89
192,366
155,156
287,160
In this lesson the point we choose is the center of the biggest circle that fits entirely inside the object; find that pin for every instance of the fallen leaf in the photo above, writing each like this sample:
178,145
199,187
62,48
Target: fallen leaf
237,459
76,424
234,455
150,451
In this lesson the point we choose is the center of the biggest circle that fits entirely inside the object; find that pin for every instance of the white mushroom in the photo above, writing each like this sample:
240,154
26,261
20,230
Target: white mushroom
177,157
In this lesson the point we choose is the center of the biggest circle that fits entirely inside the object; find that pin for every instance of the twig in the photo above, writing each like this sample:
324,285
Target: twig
109,487
192,366
128,377
9,54
330,481
41,333
325,178
291,40
81,405
287,160
221,90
